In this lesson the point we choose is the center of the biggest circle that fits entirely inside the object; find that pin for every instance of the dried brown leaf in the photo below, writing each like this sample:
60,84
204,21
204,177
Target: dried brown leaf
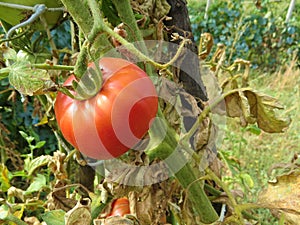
79,215
283,196
58,200
56,164
150,204
178,105
263,108
254,107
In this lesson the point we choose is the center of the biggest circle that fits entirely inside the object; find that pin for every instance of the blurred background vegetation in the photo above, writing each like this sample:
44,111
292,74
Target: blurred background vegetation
257,33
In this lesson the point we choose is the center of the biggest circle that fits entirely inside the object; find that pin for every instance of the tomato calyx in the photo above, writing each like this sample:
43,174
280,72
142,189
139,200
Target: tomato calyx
89,84
87,87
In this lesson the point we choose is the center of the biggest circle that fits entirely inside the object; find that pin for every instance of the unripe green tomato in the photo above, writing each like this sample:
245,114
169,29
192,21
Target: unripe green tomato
14,16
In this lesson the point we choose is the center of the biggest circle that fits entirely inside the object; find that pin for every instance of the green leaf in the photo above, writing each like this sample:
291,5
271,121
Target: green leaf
247,180
110,12
36,163
38,183
54,217
40,144
26,80
254,129
23,134
28,138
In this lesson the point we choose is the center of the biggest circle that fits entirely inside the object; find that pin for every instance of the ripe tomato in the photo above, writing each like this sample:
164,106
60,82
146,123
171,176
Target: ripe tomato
120,207
116,118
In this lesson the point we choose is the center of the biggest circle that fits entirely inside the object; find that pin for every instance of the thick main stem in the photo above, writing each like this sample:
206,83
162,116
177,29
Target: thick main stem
80,13
184,175
126,14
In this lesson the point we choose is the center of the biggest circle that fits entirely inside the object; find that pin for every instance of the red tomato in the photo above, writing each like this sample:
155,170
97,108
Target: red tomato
120,207
116,118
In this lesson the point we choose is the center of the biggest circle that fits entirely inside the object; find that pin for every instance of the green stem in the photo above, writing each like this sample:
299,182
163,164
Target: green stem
81,14
51,41
196,194
212,190
81,64
134,34
2,150
185,175
52,67
231,198
126,14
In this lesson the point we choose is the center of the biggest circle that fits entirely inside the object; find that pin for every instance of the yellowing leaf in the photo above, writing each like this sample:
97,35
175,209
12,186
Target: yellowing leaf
26,80
4,178
283,196
43,121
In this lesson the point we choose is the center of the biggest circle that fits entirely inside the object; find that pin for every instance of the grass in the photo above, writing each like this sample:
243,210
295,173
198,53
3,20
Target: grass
257,153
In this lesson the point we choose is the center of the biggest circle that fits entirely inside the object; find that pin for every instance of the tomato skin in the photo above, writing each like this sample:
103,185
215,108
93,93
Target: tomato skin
114,120
120,207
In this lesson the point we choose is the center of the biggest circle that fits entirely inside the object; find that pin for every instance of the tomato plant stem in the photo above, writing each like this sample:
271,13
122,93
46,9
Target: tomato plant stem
126,14
218,181
186,175
52,67
80,13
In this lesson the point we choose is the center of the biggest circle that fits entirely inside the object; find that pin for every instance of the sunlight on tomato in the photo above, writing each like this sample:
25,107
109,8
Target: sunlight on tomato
114,120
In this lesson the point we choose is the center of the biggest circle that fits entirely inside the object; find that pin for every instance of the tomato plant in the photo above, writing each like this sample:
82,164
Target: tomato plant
120,207
116,118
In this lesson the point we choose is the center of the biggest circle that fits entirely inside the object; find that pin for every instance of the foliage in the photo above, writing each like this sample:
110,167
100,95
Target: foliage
259,35
39,170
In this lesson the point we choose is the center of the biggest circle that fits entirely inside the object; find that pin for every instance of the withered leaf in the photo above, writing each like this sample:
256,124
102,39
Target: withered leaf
254,107
180,108
283,197
79,215
263,108
58,198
